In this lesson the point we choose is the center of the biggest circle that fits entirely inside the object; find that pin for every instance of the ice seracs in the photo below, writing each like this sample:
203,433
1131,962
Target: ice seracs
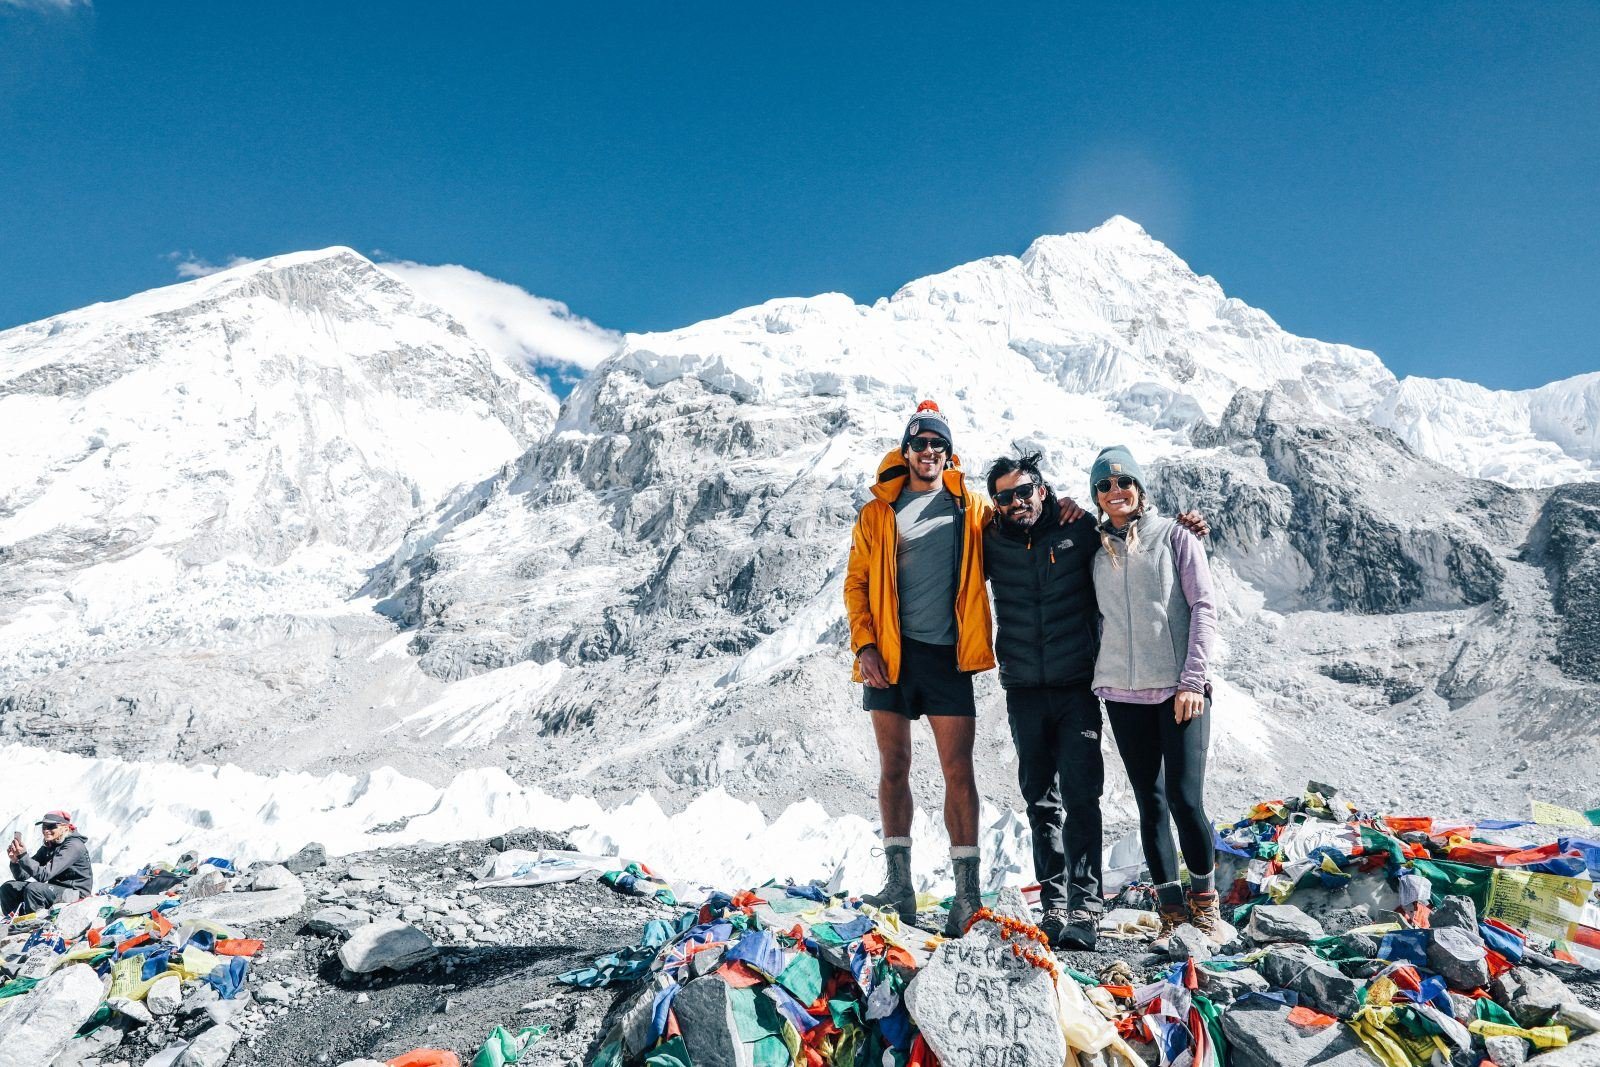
1532,437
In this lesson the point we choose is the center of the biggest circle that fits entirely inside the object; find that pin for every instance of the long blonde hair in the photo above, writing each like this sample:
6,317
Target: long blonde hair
1131,540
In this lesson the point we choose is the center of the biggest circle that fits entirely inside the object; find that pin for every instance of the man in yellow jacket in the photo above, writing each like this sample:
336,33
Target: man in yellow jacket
920,628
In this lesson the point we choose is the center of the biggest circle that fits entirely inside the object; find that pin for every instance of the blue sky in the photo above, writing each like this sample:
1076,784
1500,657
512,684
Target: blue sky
1416,179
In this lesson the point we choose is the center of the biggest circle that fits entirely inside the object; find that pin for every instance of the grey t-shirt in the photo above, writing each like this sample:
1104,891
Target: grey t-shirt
926,562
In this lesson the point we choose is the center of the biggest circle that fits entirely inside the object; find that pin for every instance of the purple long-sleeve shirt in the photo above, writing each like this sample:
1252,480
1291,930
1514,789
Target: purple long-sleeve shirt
1194,574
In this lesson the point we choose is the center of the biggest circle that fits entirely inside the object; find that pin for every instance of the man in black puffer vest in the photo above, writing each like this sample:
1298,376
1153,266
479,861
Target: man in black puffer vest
1038,557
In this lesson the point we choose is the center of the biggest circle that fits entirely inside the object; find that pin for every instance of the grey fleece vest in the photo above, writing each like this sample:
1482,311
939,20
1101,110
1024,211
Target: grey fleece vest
1144,634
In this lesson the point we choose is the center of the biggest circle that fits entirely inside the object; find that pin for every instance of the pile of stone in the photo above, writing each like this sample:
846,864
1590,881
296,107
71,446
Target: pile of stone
1356,940
161,956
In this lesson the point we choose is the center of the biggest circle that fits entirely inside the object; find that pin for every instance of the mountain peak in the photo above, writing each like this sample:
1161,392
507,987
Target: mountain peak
1121,226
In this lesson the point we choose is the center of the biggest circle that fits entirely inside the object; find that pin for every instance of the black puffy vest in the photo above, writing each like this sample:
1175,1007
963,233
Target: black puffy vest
1042,582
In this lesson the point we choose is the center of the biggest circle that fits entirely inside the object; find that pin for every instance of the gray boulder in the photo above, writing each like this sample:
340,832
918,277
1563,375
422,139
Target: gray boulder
1319,983
133,1011
273,876
1536,998
386,944
1456,911
1584,1052
337,921
141,904
1457,954
248,909
1506,1051
207,882
1260,1034
1358,946
38,1028
1225,987
73,920
211,1049
1189,943
1339,920
1281,922
713,959
90,1050
309,858
164,996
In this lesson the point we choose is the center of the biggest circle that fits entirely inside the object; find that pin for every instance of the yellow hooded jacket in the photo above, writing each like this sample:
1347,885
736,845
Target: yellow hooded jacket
871,595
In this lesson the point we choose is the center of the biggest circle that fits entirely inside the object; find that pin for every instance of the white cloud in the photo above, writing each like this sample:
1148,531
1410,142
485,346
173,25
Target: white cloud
515,324
190,265
45,5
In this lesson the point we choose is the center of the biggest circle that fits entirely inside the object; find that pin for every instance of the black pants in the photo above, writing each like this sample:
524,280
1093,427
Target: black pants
1057,733
1166,765
29,896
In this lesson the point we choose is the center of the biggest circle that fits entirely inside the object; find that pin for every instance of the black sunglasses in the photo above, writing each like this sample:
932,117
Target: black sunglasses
1024,491
1104,484
923,444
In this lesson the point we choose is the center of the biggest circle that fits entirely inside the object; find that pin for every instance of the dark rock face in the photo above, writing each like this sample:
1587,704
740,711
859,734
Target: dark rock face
1567,542
1326,486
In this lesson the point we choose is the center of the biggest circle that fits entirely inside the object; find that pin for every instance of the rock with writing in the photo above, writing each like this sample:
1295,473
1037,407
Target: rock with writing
978,1003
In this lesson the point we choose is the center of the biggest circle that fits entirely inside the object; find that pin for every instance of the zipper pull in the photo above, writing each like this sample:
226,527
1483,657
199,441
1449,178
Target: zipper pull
1052,554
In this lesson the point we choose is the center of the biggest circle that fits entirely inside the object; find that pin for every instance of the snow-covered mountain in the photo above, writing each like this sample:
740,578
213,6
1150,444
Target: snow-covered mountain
676,546
193,478
645,593
1532,437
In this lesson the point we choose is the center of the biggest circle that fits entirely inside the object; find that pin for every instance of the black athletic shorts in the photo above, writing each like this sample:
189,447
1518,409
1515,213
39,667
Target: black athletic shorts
929,684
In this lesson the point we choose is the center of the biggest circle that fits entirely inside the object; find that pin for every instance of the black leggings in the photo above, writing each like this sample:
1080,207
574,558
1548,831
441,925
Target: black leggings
1166,765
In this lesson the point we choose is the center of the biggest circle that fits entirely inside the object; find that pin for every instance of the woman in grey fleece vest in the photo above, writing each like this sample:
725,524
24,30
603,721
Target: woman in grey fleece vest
1158,622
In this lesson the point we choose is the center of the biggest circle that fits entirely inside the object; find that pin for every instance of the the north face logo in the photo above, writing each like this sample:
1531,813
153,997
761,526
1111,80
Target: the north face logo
1064,544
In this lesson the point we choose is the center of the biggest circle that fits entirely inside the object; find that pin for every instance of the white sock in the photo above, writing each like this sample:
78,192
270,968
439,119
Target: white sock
963,852
897,842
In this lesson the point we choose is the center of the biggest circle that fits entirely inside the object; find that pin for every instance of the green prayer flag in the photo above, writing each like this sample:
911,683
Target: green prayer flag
845,1012
1377,841
803,978
1487,1010
755,1016
503,1047
1456,879
670,1053
18,986
771,1051
1213,1017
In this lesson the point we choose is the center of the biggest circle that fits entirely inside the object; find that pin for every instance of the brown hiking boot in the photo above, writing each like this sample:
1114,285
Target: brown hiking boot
1172,917
1205,915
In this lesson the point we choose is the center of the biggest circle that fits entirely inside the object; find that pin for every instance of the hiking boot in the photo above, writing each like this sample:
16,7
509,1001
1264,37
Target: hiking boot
898,894
1205,915
1172,917
1053,922
1076,929
968,900
1082,932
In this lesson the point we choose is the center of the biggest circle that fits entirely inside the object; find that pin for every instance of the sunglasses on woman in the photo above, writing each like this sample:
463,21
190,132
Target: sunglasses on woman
1121,481
1024,491
923,444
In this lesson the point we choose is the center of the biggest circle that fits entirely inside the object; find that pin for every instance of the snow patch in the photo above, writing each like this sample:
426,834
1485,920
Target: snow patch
475,710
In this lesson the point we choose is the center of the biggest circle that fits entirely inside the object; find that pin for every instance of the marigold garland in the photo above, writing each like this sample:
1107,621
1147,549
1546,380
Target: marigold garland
1009,926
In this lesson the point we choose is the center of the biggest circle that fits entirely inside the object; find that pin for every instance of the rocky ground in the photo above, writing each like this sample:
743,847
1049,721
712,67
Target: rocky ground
462,959
498,953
